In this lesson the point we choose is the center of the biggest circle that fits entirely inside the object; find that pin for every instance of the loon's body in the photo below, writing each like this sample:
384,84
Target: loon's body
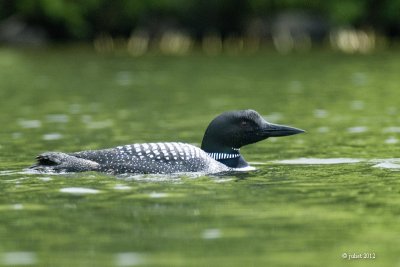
220,150
136,158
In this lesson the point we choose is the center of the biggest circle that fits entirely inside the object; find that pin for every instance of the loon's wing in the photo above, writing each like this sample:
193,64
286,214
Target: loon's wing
151,158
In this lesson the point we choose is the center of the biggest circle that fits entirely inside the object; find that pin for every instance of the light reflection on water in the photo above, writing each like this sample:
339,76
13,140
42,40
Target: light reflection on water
29,124
79,190
17,258
387,165
52,136
130,259
357,129
57,118
211,234
390,163
318,161
122,187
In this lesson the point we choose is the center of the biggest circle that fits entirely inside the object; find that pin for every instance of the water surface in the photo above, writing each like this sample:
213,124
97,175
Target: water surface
313,197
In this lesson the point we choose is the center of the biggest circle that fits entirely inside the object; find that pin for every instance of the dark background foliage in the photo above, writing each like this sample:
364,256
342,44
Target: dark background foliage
85,19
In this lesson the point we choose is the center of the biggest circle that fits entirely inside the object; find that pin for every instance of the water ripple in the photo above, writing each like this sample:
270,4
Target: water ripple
318,161
79,190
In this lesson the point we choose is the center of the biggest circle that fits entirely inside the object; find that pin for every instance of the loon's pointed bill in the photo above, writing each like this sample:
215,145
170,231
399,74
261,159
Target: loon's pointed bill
276,130
219,152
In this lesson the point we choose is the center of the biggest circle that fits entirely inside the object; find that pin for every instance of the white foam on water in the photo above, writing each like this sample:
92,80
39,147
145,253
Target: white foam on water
222,180
79,190
129,259
318,161
387,165
391,163
245,169
14,258
257,163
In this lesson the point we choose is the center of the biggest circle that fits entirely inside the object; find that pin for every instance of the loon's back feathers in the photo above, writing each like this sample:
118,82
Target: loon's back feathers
137,158
219,151
153,158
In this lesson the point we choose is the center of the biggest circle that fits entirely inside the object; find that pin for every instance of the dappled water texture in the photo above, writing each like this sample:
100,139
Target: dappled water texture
317,199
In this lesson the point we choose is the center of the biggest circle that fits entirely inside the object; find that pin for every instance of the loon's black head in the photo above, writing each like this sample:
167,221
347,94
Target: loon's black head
231,130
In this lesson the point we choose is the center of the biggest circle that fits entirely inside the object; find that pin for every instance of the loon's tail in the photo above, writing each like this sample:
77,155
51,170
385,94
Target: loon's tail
62,162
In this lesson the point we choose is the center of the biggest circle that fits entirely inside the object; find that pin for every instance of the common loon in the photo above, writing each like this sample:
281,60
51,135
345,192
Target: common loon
220,150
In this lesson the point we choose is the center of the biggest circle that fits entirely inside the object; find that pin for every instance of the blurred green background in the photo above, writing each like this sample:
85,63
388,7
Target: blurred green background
177,26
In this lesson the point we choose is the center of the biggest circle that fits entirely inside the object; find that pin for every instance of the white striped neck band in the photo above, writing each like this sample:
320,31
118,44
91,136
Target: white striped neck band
218,156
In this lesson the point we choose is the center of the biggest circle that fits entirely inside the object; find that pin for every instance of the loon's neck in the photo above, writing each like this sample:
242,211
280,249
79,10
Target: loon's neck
230,157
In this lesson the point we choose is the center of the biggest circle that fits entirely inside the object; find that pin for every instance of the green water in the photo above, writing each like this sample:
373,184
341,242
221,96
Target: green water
280,215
